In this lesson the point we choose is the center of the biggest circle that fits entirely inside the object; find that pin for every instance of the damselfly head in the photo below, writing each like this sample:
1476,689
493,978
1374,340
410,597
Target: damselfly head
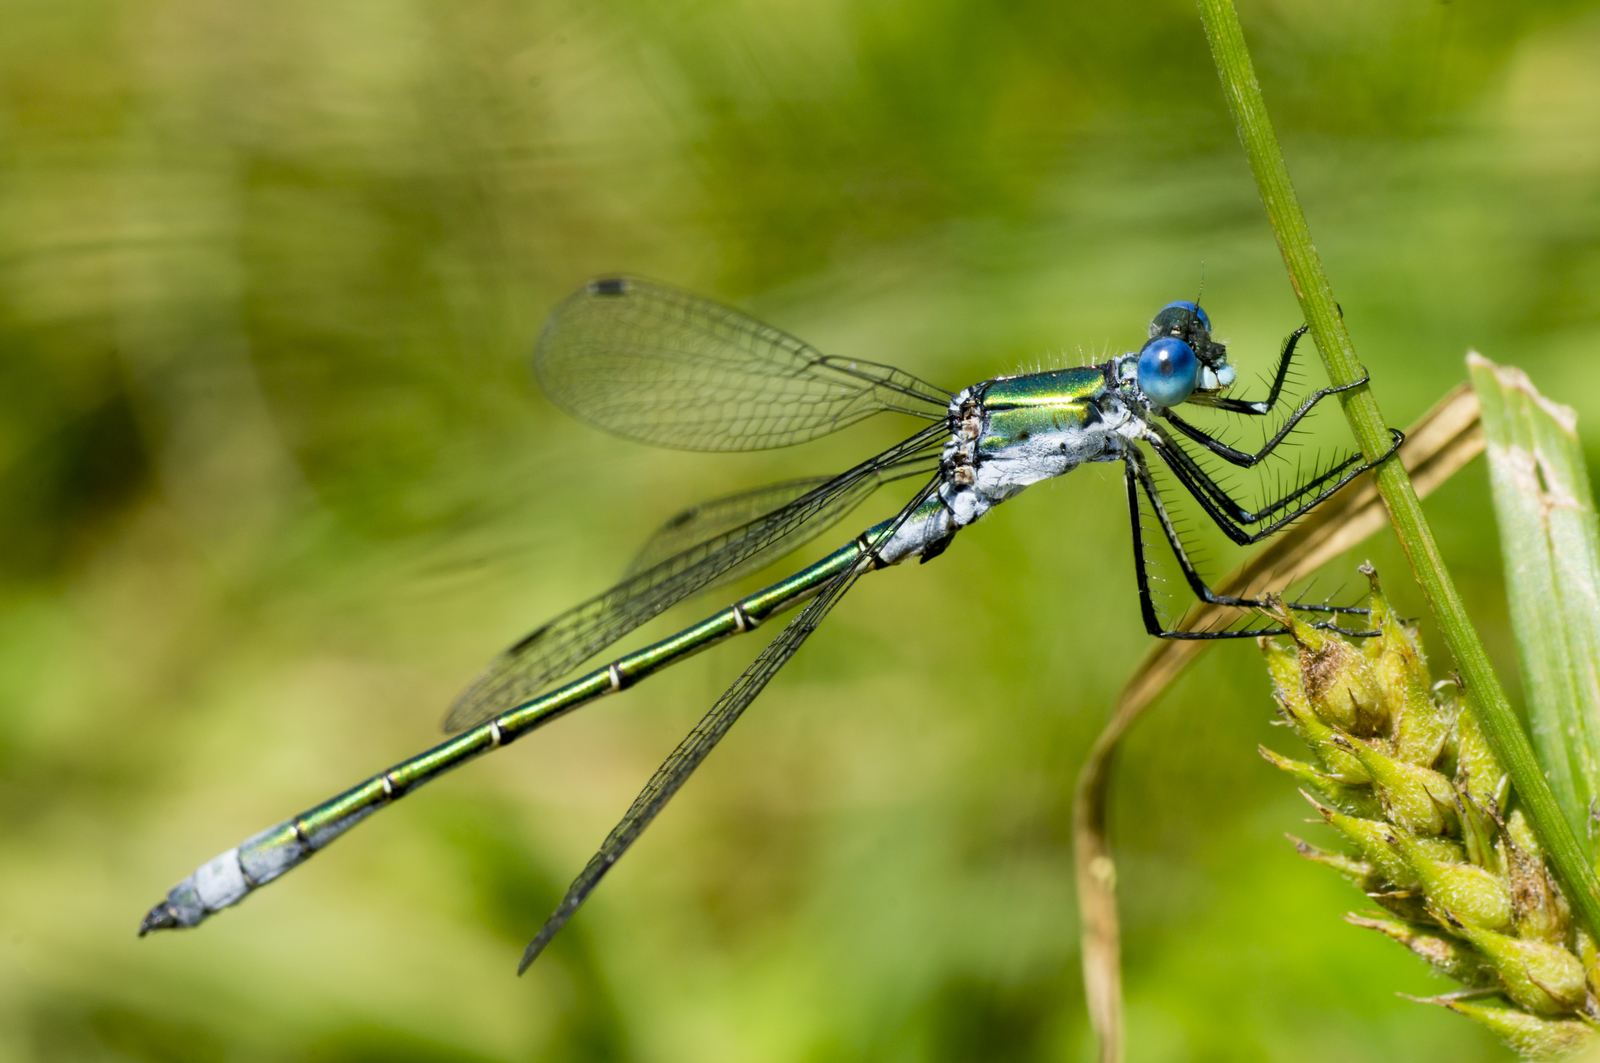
1180,357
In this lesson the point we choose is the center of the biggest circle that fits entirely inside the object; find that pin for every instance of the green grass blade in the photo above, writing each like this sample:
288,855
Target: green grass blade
1550,541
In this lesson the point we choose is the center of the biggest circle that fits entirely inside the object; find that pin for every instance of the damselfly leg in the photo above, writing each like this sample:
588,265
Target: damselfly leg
1246,459
1241,525
1280,377
1138,477
1231,516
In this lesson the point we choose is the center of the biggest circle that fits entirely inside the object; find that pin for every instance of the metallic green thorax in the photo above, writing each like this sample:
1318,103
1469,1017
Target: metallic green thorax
1062,387
1024,406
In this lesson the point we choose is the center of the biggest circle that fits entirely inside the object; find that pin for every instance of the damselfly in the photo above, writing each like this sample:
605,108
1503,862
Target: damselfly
662,367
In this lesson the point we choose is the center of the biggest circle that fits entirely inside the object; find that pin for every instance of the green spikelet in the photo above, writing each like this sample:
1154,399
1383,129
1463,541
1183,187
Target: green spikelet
1444,954
1283,664
1338,680
1416,798
1402,771
1372,838
1472,895
1478,770
1535,1038
1362,875
1421,726
1544,979
1351,800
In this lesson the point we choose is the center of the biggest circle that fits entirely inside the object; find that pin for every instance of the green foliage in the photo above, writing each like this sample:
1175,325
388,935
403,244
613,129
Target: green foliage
1550,539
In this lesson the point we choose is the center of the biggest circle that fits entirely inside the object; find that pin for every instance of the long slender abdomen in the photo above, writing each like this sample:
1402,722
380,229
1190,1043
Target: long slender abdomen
232,876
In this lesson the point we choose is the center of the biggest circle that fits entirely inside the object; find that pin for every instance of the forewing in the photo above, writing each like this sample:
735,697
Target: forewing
666,368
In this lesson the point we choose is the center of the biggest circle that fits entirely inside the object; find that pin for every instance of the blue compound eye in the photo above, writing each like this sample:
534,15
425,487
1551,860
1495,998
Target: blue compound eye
1193,308
1167,371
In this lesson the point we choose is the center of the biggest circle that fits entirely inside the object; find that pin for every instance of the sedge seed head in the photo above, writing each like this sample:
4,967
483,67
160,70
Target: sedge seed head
1404,772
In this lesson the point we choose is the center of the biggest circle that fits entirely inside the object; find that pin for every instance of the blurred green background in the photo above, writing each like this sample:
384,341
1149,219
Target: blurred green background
274,484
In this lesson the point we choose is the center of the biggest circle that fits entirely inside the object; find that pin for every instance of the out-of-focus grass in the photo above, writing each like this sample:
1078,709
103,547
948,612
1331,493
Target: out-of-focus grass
273,484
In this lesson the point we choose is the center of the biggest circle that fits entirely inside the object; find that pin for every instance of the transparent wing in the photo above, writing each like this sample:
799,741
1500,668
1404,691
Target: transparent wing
662,367
697,524
670,777
578,634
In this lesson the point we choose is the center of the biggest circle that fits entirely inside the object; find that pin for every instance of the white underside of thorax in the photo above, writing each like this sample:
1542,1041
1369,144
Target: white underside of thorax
975,483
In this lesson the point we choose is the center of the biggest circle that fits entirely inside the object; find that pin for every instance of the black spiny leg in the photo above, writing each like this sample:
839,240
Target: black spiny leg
1259,409
1228,513
1245,458
1231,516
1137,476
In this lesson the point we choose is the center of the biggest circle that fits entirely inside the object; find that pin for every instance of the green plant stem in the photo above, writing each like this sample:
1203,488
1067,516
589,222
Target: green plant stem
1239,84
